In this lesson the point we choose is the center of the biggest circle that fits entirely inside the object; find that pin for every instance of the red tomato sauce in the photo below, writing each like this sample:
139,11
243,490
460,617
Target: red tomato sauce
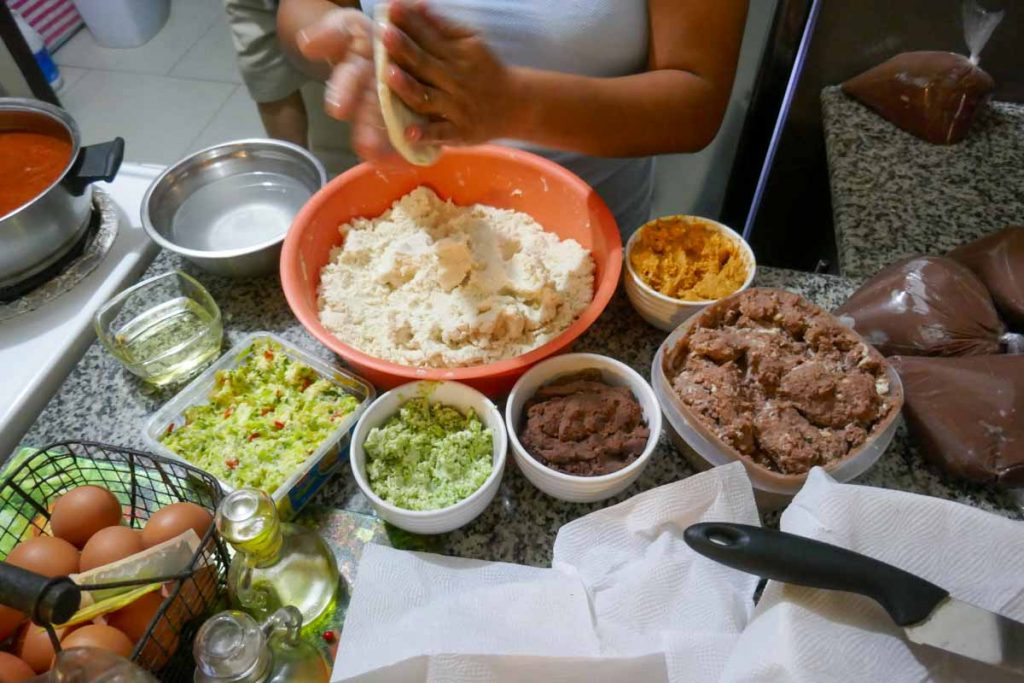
29,163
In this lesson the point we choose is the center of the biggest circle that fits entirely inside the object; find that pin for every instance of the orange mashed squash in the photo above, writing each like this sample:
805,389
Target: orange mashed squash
687,259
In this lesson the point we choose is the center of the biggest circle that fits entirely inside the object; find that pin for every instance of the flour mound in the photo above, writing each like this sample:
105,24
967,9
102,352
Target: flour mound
432,284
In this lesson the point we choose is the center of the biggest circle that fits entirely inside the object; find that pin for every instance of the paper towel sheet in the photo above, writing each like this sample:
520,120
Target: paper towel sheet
804,635
625,600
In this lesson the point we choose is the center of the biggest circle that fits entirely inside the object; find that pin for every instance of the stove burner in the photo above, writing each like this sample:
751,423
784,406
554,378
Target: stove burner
71,268
13,292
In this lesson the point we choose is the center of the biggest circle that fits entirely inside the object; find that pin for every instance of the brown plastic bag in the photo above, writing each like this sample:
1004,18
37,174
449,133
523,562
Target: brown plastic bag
966,415
927,306
933,95
998,260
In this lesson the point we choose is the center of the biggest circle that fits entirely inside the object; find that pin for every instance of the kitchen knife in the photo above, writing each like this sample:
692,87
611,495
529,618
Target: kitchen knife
926,612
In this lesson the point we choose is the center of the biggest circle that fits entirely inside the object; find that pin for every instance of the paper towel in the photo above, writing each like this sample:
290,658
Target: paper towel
814,636
625,600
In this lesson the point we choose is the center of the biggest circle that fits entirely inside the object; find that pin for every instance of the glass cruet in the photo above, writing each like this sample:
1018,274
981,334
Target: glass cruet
276,564
232,648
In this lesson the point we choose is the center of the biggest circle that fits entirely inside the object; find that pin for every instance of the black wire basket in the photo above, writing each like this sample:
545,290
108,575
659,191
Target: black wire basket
143,483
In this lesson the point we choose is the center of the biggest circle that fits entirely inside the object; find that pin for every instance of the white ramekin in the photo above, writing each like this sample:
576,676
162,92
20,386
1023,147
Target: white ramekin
458,396
662,311
569,487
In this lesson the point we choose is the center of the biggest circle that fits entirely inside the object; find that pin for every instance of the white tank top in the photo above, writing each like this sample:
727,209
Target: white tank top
603,38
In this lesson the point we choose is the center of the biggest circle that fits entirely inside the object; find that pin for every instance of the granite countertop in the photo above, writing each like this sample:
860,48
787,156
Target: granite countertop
101,401
894,195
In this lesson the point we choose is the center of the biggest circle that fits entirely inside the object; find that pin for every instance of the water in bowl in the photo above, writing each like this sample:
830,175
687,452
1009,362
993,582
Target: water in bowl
238,211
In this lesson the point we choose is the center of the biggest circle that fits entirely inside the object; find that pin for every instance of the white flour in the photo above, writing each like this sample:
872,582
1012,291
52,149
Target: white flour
431,284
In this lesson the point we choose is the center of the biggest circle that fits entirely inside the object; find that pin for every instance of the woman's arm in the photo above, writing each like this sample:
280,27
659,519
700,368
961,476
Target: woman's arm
331,40
294,17
448,72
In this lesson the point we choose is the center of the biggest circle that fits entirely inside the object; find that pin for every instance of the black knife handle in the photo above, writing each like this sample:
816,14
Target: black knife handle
794,559
44,600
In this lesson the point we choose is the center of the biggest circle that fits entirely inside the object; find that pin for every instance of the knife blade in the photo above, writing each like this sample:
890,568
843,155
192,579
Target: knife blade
927,613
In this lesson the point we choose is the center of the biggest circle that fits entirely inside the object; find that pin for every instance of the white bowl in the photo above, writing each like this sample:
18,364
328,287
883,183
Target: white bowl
703,449
570,487
662,311
458,396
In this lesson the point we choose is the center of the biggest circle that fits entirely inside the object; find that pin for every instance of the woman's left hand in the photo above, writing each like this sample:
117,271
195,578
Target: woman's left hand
447,73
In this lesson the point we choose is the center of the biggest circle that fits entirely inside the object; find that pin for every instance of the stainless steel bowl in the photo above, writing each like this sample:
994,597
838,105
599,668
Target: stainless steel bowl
227,208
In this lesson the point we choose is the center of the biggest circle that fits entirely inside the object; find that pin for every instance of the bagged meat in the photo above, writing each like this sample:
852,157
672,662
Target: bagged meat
927,306
933,95
998,260
966,415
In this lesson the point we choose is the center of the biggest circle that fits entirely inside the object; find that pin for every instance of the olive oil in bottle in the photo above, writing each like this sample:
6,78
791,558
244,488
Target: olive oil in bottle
276,564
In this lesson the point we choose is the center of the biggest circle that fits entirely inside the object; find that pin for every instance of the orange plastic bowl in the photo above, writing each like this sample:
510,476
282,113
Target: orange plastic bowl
497,176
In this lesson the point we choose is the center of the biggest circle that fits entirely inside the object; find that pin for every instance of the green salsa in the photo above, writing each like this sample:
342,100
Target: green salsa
265,417
428,456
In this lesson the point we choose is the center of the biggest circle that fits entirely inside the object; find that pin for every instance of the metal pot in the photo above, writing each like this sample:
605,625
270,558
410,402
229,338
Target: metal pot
37,234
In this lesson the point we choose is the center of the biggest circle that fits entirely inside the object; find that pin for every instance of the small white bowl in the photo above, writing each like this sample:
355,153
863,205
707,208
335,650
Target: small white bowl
662,311
570,487
458,396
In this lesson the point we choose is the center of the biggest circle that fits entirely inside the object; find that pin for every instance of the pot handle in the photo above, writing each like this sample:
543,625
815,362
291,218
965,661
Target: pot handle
95,162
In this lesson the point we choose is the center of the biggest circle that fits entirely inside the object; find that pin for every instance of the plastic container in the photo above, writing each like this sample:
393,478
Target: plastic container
304,482
662,311
704,449
570,487
458,396
497,176
39,50
124,23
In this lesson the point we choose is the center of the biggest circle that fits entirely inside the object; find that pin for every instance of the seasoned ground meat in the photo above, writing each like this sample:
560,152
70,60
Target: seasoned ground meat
781,381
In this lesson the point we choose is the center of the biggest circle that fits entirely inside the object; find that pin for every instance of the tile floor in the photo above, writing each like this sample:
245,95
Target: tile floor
179,92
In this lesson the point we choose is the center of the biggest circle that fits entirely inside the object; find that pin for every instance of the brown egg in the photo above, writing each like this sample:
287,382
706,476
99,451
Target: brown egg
83,511
101,637
173,520
110,545
10,620
13,670
195,597
34,647
134,619
45,555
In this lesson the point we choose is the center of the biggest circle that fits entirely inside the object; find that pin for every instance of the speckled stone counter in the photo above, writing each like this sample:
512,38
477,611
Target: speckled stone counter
894,195
101,401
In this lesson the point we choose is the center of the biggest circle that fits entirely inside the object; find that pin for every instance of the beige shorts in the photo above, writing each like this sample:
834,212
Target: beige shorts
267,73
269,77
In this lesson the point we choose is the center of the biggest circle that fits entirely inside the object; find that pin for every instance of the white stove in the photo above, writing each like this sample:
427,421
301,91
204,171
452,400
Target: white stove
39,348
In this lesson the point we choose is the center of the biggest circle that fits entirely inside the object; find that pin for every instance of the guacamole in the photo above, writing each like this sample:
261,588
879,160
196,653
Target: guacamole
428,456
264,419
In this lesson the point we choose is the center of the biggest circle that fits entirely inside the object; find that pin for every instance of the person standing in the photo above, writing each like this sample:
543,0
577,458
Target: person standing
280,90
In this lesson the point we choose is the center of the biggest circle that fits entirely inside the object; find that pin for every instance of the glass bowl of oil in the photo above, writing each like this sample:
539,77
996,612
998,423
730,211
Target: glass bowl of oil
164,329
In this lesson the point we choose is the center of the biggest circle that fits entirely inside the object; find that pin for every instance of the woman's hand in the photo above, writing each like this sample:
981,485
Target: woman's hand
447,73
342,38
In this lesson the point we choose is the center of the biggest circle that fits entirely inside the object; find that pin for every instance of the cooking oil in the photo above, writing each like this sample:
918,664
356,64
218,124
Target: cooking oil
170,341
276,564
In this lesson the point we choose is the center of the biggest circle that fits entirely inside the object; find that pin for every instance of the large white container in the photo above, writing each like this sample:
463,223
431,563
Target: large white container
123,23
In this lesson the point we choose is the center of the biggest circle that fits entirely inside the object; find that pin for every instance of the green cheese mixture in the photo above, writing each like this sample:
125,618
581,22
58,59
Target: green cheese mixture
428,456
264,419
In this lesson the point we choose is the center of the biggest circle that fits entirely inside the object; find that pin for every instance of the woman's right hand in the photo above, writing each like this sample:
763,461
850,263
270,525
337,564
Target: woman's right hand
343,38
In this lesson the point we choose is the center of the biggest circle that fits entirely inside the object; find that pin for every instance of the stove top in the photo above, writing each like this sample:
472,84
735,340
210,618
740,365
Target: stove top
71,269
40,346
